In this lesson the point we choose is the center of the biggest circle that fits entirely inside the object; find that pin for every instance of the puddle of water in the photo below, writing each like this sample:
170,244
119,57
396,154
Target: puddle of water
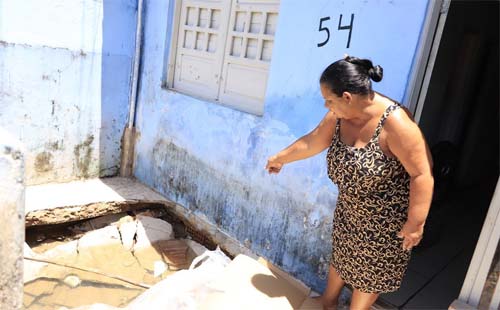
58,286
47,293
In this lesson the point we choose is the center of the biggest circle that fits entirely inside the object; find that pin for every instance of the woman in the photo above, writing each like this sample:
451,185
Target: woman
378,158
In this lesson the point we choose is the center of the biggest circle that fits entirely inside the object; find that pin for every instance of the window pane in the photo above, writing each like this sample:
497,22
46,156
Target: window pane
236,46
212,43
203,22
239,24
272,18
200,41
215,19
256,22
189,39
251,49
267,49
191,16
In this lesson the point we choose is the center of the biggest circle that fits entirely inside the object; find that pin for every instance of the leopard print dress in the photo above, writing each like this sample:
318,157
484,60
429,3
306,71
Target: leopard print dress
371,209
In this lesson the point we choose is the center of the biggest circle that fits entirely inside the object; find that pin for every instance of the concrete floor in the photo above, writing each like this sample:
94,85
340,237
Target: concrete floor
85,192
434,275
57,203
80,199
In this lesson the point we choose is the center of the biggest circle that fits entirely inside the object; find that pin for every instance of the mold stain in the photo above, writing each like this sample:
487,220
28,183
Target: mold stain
55,146
53,107
83,156
43,162
270,223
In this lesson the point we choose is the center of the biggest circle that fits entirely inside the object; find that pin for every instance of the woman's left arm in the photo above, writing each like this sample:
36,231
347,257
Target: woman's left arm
407,143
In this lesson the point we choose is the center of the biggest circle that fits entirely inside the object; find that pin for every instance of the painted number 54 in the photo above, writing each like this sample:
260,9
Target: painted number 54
323,27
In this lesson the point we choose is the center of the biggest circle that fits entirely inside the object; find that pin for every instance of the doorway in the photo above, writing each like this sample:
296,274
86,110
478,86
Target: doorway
460,120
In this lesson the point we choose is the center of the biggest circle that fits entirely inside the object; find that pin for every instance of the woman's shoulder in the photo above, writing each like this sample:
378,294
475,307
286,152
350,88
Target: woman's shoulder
327,124
330,119
400,120
330,116
401,111
404,109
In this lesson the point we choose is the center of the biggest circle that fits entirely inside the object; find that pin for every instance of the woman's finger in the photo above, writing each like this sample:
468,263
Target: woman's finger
407,244
412,242
274,169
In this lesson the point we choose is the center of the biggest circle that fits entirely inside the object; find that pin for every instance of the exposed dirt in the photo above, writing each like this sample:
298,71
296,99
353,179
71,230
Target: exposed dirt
56,286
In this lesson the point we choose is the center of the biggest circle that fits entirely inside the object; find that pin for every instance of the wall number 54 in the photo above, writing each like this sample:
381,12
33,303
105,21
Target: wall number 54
340,27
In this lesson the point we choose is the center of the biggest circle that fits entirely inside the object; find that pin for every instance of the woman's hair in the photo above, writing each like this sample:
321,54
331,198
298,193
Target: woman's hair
351,74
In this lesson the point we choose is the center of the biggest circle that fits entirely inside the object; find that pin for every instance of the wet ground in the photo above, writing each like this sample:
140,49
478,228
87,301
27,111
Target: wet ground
98,246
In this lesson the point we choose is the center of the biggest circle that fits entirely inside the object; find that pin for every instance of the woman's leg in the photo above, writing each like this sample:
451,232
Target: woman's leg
333,288
362,301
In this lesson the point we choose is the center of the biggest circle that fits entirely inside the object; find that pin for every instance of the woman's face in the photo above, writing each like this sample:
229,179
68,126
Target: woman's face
338,105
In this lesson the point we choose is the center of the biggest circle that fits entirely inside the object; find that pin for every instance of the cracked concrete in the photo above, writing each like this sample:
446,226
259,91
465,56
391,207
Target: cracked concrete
106,249
56,203
151,230
65,202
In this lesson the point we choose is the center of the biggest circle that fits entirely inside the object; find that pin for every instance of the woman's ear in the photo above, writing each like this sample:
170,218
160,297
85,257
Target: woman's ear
347,96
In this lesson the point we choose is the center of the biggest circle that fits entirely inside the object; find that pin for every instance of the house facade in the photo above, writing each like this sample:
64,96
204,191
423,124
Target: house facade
204,139
224,84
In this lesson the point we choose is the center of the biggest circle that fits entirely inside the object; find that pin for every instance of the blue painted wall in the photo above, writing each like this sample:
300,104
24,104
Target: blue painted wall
64,83
211,159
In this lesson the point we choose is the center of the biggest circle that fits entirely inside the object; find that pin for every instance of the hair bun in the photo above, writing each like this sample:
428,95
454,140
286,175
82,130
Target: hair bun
376,73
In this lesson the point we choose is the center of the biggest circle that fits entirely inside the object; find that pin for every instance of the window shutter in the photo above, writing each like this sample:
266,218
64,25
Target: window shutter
249,45
200,47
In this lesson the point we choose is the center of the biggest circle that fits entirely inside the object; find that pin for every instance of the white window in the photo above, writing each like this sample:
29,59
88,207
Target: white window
222,50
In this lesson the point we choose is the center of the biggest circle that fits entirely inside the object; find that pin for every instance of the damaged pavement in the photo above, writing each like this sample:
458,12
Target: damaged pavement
127,247
141,250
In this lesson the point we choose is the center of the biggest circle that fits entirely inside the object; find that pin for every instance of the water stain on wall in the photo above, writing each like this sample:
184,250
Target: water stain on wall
53,107
83,156
43,162
55,145
267,221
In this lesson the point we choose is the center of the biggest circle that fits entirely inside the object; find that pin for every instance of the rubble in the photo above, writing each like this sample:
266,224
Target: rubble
107,269
151,230
129,247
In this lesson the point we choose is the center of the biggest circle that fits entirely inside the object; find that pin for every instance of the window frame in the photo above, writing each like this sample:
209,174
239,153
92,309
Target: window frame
172,44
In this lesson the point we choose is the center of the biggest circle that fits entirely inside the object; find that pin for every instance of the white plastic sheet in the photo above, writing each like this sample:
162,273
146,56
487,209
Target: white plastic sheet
184,290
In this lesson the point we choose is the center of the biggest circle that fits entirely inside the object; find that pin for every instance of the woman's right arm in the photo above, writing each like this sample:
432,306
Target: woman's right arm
309,145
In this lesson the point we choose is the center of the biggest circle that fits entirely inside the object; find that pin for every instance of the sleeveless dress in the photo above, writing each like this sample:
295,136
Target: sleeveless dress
371,209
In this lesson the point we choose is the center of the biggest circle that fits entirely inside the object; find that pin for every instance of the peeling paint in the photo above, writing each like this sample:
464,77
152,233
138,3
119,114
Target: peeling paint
65,79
